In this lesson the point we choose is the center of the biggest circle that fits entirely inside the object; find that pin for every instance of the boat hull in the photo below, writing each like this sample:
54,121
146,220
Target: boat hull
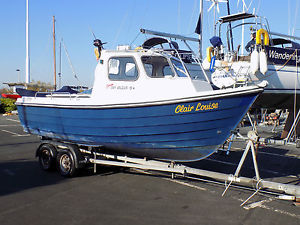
283,79
280,99
12,96
181,131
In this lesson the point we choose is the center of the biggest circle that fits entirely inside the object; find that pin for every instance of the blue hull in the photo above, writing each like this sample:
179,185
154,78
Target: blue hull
181,132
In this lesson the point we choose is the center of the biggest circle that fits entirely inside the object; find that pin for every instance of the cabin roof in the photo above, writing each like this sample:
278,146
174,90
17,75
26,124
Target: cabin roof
151,42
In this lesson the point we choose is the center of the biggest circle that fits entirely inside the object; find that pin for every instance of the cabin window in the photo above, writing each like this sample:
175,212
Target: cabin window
157,66
168,71
180,70
148,68
114,66
122,69
196,73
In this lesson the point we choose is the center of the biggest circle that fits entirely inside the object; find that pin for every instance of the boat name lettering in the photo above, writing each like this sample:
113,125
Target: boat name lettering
197,108
273,54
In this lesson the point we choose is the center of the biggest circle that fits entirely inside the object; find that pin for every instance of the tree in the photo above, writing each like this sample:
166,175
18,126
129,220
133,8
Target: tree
7,105
6,91
40,86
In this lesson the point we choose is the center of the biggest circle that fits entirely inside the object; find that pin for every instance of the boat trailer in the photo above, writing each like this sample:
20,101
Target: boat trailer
68,158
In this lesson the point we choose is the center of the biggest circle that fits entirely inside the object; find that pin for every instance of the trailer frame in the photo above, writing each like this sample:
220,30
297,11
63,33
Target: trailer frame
78,156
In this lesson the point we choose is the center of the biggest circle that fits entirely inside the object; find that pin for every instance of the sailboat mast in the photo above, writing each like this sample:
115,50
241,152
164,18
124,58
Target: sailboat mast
27,80
243,32
230,30
54,53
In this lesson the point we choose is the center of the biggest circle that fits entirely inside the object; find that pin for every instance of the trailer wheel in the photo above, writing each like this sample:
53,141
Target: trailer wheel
66,164
47,154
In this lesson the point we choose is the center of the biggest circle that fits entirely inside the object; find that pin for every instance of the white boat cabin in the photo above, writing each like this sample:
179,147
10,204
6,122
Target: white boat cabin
145,75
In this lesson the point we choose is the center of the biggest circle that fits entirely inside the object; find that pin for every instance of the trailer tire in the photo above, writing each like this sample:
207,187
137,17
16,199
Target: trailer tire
66,163
47,155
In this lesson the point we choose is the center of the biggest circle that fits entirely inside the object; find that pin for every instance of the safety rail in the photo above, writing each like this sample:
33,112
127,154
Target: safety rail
61,94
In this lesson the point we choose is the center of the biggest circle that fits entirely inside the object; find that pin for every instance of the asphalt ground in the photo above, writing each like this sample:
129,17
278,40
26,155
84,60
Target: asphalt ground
29,195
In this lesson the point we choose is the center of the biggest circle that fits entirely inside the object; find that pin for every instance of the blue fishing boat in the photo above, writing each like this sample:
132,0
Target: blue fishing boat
144,102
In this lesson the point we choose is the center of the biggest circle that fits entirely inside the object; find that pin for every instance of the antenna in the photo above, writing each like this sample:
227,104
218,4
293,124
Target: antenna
92,32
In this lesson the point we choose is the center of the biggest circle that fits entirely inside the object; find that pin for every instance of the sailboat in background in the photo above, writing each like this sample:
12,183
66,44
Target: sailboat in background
274,59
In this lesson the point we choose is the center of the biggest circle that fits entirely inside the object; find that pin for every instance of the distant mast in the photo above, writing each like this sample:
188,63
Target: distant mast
27,81
54,53
198,29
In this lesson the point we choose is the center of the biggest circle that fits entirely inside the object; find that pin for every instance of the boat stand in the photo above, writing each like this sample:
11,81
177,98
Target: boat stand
277,123
229,142
235,134
253,124
293,128
290,138
253,138
286,191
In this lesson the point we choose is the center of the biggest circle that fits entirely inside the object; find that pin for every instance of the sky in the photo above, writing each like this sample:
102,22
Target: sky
116,22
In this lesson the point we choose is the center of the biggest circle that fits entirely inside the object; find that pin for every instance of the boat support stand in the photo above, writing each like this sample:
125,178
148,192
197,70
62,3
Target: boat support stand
285,191
253,138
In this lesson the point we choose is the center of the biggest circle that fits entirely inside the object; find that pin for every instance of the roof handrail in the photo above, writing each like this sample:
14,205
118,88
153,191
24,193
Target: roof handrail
162,34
